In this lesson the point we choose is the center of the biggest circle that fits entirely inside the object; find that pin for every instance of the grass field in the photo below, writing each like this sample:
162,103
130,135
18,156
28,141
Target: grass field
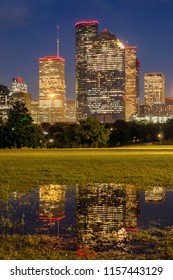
142,166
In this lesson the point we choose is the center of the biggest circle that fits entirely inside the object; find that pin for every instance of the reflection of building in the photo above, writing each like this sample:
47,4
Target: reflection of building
157,195
5,102
52,201
154,88
105,213
51,89
100,73
131,82
132,208
100,214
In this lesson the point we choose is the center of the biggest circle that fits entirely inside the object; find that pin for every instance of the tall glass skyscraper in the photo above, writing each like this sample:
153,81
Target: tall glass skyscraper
100,73
85,32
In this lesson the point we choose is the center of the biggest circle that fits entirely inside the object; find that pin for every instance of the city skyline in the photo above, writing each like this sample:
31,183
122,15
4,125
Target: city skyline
29,31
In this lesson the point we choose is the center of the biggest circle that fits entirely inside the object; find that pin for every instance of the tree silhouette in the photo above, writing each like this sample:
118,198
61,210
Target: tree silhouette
20,130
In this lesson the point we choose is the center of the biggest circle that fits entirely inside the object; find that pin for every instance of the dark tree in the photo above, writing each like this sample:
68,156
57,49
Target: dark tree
120,133
20,130
168,130
92,133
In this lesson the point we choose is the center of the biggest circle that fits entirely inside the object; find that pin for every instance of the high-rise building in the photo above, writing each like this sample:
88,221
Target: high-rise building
100,73
154,88
70,111
85,32
18,85
35,111
5,102
51,89
131,82
19,92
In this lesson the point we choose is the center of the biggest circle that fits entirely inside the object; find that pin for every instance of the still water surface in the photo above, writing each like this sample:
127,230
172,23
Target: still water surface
100,215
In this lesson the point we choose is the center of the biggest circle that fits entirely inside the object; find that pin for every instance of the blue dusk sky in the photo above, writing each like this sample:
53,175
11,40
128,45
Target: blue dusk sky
28,30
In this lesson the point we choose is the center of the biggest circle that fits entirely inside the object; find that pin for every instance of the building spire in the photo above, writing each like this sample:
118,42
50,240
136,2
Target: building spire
57,42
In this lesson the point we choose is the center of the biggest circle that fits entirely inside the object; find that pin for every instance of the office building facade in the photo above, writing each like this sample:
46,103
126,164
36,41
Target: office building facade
18,85
6,102
51,89
70,111
20,92
132,68
85,33
35,111
154,88
100,73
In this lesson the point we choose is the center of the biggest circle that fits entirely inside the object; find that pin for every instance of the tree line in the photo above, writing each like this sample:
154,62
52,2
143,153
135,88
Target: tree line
19,131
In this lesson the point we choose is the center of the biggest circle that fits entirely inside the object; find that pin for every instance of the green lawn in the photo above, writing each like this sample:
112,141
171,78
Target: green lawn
142,166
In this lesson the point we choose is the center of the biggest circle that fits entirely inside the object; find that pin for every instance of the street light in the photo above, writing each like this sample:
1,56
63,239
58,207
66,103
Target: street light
160,138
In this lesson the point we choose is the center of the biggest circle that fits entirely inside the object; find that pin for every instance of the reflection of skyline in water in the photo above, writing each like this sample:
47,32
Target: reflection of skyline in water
105,213
99,215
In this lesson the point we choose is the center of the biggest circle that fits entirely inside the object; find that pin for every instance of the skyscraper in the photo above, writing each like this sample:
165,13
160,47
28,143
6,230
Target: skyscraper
18,85
154,88
85,32
100,73
51,89
131,82
20,92
6,102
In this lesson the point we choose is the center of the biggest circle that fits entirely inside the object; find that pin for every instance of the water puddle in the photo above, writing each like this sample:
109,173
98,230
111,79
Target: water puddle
98,215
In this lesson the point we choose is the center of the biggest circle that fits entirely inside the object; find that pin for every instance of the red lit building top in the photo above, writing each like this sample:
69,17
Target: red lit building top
87,22
131,47
19,79
52,58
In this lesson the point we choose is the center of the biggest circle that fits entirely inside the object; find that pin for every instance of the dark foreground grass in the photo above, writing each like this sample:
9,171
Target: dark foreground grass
153,244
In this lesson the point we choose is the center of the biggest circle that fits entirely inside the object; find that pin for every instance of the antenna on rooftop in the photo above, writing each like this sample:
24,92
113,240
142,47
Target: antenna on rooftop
57,41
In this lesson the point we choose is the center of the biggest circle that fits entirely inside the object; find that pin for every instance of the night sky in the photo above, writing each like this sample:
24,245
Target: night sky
28,30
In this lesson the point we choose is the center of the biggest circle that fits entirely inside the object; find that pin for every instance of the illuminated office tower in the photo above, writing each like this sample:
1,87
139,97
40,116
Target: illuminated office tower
138,85
131,82
6,102
70,111
35,111
106,78
18,85
51,89
154,88
85,32
20,92
102,77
